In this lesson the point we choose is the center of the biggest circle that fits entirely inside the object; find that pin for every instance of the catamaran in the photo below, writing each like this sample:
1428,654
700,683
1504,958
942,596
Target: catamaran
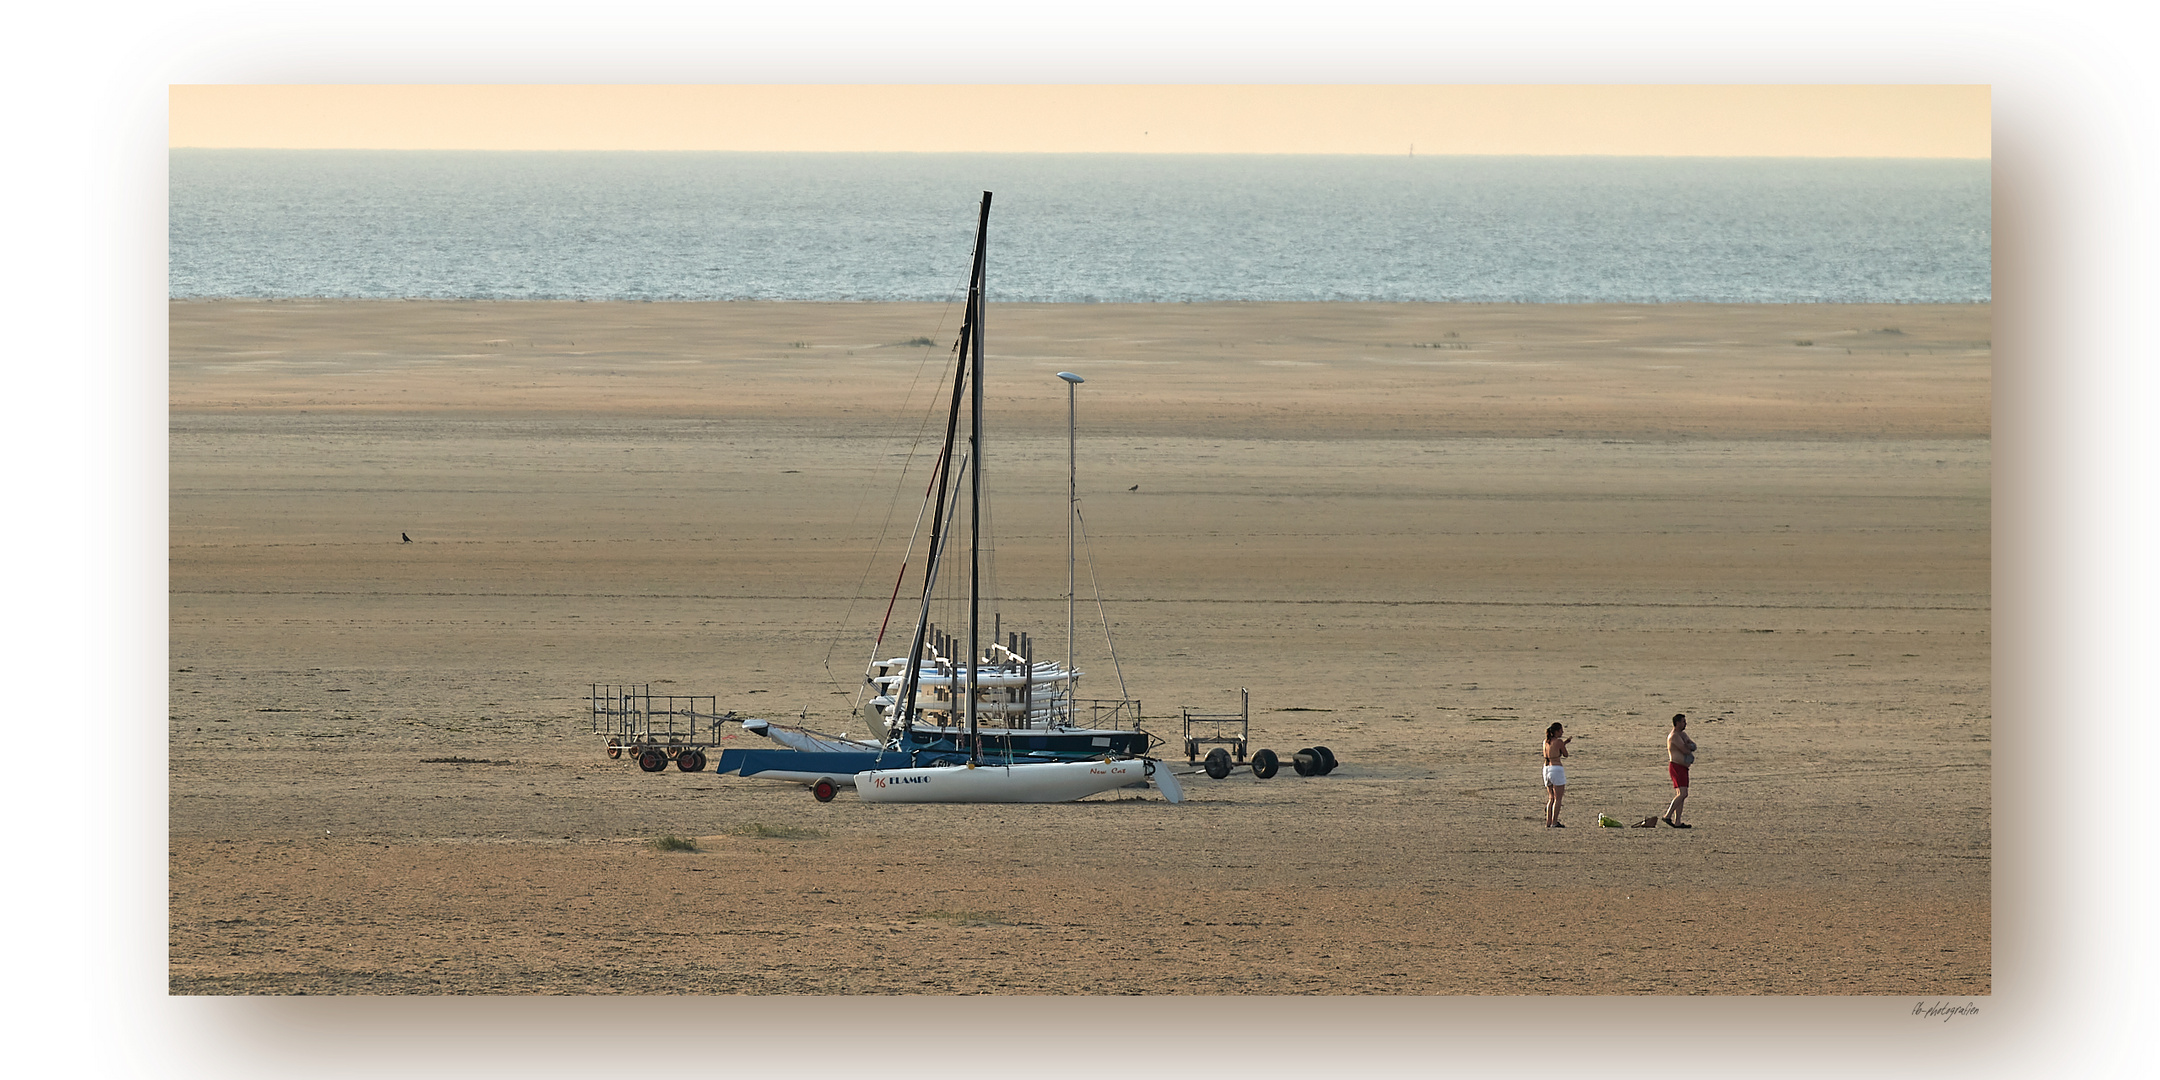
958,718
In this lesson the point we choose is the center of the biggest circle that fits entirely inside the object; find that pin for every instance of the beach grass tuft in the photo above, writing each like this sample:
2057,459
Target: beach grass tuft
672,842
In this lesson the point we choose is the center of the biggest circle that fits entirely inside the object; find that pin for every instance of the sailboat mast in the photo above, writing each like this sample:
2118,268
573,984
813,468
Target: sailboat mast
1072,513
1072,503
976,289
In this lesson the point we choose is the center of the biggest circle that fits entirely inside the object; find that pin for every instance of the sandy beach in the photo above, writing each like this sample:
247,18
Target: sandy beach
1417,533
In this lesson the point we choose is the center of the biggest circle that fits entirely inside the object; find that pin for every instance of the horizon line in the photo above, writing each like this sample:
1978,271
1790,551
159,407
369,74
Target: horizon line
1073,153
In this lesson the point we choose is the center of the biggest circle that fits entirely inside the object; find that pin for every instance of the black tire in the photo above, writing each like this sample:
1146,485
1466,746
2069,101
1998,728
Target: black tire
824,790
614,747
1327,759
651,759
1305,762
1264,764
1218,763
691,761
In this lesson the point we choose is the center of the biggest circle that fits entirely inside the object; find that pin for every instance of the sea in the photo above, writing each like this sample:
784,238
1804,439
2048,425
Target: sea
1076,228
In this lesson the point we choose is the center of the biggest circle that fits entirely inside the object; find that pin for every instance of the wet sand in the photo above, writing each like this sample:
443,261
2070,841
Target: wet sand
1416,533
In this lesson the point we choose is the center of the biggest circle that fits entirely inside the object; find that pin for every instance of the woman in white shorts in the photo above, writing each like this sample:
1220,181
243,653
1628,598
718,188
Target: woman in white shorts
1555,775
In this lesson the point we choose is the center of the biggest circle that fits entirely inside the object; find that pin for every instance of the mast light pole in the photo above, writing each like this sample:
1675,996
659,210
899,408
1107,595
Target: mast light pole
1072,502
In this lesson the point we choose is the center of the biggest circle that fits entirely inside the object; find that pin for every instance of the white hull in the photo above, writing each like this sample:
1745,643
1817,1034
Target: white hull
801,739
1062,781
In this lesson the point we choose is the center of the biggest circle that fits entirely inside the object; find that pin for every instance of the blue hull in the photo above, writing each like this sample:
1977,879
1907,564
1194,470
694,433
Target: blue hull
840,764
1055,746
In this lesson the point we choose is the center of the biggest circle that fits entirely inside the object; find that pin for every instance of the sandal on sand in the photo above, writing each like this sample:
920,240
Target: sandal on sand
1676,824
1557,825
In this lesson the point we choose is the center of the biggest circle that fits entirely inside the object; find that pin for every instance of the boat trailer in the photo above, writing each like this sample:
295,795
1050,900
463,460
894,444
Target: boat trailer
1230,734
655,729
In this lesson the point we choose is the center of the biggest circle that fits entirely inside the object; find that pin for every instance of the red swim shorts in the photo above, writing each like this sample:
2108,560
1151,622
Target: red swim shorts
1679,773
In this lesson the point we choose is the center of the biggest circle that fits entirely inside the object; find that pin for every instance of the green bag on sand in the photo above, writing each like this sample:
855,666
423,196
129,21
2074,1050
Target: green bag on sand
1610,821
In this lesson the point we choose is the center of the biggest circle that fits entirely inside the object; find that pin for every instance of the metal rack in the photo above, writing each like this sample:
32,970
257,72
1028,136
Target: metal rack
1234,730
1219,730
655,729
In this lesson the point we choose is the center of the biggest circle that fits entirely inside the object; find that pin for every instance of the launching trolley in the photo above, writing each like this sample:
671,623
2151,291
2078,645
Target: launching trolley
1231,736
655,729
1219,730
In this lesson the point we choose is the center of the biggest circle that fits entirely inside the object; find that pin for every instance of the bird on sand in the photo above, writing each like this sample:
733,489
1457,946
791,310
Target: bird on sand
1135,487
408,539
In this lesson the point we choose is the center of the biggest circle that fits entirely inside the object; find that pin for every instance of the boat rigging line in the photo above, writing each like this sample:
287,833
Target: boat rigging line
839,632
1096,583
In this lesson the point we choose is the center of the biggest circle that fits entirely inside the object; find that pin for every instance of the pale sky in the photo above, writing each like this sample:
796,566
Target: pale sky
1647,120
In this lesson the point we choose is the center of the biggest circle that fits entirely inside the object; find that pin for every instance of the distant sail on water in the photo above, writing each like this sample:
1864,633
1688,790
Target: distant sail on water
1083,228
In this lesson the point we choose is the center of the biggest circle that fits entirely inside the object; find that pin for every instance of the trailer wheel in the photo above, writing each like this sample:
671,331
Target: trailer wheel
824,790
1264,764
692,760
651,759
1218,763
1192,749
614,747
1305,762
1327,759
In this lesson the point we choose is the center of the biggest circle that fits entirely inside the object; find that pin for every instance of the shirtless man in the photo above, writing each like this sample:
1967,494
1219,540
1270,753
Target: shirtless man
1555,775
1679,754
